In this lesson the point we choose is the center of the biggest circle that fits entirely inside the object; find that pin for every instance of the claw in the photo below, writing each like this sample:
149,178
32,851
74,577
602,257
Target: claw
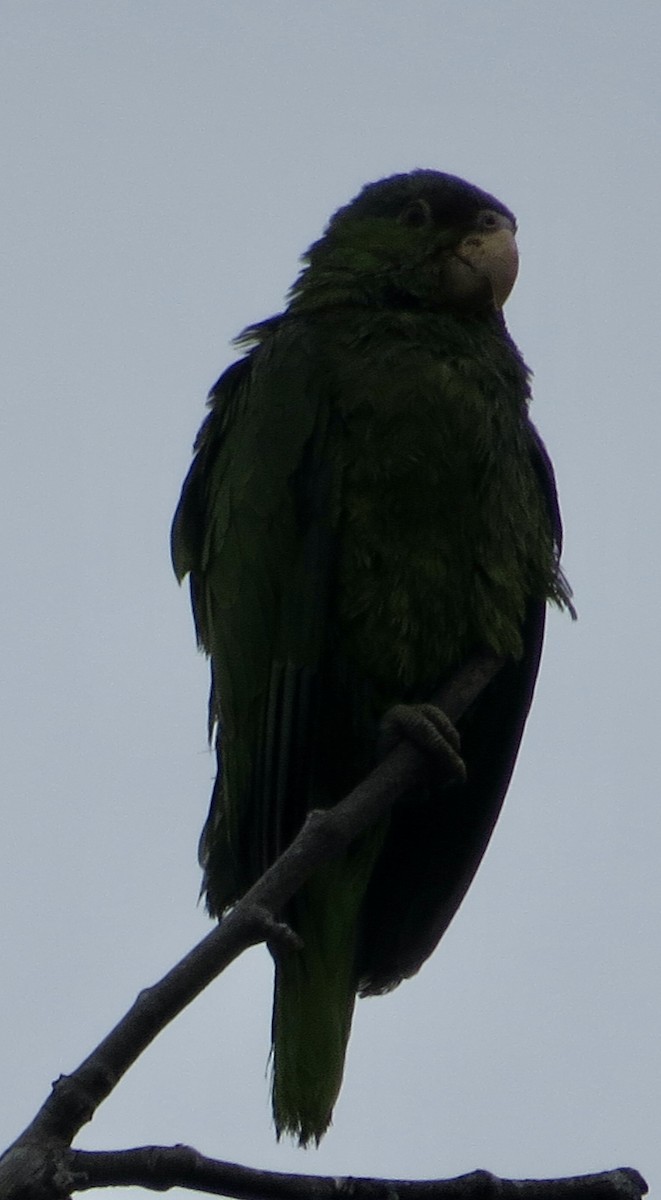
430,729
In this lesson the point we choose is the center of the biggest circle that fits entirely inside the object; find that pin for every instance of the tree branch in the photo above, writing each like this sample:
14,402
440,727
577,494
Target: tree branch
40,1166
75,1098
164,1167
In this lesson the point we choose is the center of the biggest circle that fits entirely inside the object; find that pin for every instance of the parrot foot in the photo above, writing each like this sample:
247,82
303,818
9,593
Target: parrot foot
430,729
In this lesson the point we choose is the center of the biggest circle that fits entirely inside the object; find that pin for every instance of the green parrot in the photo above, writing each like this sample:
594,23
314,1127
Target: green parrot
368,506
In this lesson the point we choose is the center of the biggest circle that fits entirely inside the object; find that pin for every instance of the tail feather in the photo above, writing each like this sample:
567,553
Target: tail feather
315,993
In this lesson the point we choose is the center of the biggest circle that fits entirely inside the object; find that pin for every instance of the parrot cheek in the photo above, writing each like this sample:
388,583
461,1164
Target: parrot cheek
466,284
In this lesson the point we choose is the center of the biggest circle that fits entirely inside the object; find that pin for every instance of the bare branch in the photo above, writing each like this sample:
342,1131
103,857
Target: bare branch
40,1165
160,1168
75,1098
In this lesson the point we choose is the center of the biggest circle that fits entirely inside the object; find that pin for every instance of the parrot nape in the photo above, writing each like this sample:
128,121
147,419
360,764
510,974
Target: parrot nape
368,505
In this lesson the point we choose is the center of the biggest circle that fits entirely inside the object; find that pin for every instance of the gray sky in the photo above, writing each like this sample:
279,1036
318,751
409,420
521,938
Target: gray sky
164,164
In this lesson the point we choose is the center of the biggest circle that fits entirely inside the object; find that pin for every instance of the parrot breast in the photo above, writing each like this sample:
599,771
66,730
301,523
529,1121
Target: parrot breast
443,533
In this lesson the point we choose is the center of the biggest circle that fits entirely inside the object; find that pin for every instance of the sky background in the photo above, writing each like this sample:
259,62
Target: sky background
163,166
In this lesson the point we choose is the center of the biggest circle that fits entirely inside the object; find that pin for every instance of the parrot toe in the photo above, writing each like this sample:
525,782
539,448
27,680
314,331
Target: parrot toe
431,730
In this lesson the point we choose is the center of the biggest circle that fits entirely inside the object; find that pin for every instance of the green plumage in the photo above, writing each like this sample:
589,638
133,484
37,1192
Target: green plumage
368,505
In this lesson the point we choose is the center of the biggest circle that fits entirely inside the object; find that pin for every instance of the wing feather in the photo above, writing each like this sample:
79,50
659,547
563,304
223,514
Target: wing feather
436,843
255,532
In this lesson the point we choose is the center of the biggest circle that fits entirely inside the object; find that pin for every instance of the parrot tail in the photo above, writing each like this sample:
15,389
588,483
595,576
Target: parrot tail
315,992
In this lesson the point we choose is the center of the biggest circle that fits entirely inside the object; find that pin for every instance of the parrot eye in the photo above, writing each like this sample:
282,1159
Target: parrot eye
416,214
488,220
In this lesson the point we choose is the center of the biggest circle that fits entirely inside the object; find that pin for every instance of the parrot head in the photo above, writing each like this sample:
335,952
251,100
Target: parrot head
423,239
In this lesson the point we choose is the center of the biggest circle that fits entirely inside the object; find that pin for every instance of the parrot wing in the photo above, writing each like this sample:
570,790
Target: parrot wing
253,529
437,839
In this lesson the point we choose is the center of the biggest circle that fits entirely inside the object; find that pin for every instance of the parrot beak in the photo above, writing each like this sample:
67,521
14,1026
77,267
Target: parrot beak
493,255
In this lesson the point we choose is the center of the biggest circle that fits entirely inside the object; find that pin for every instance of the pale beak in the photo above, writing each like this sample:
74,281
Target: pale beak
492,255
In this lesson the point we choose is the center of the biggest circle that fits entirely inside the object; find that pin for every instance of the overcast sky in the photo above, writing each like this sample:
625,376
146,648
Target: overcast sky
164,163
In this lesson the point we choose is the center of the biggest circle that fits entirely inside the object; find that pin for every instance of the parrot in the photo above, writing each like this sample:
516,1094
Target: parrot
368,505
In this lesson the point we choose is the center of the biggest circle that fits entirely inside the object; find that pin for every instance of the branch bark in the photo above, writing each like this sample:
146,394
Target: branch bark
163,1167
